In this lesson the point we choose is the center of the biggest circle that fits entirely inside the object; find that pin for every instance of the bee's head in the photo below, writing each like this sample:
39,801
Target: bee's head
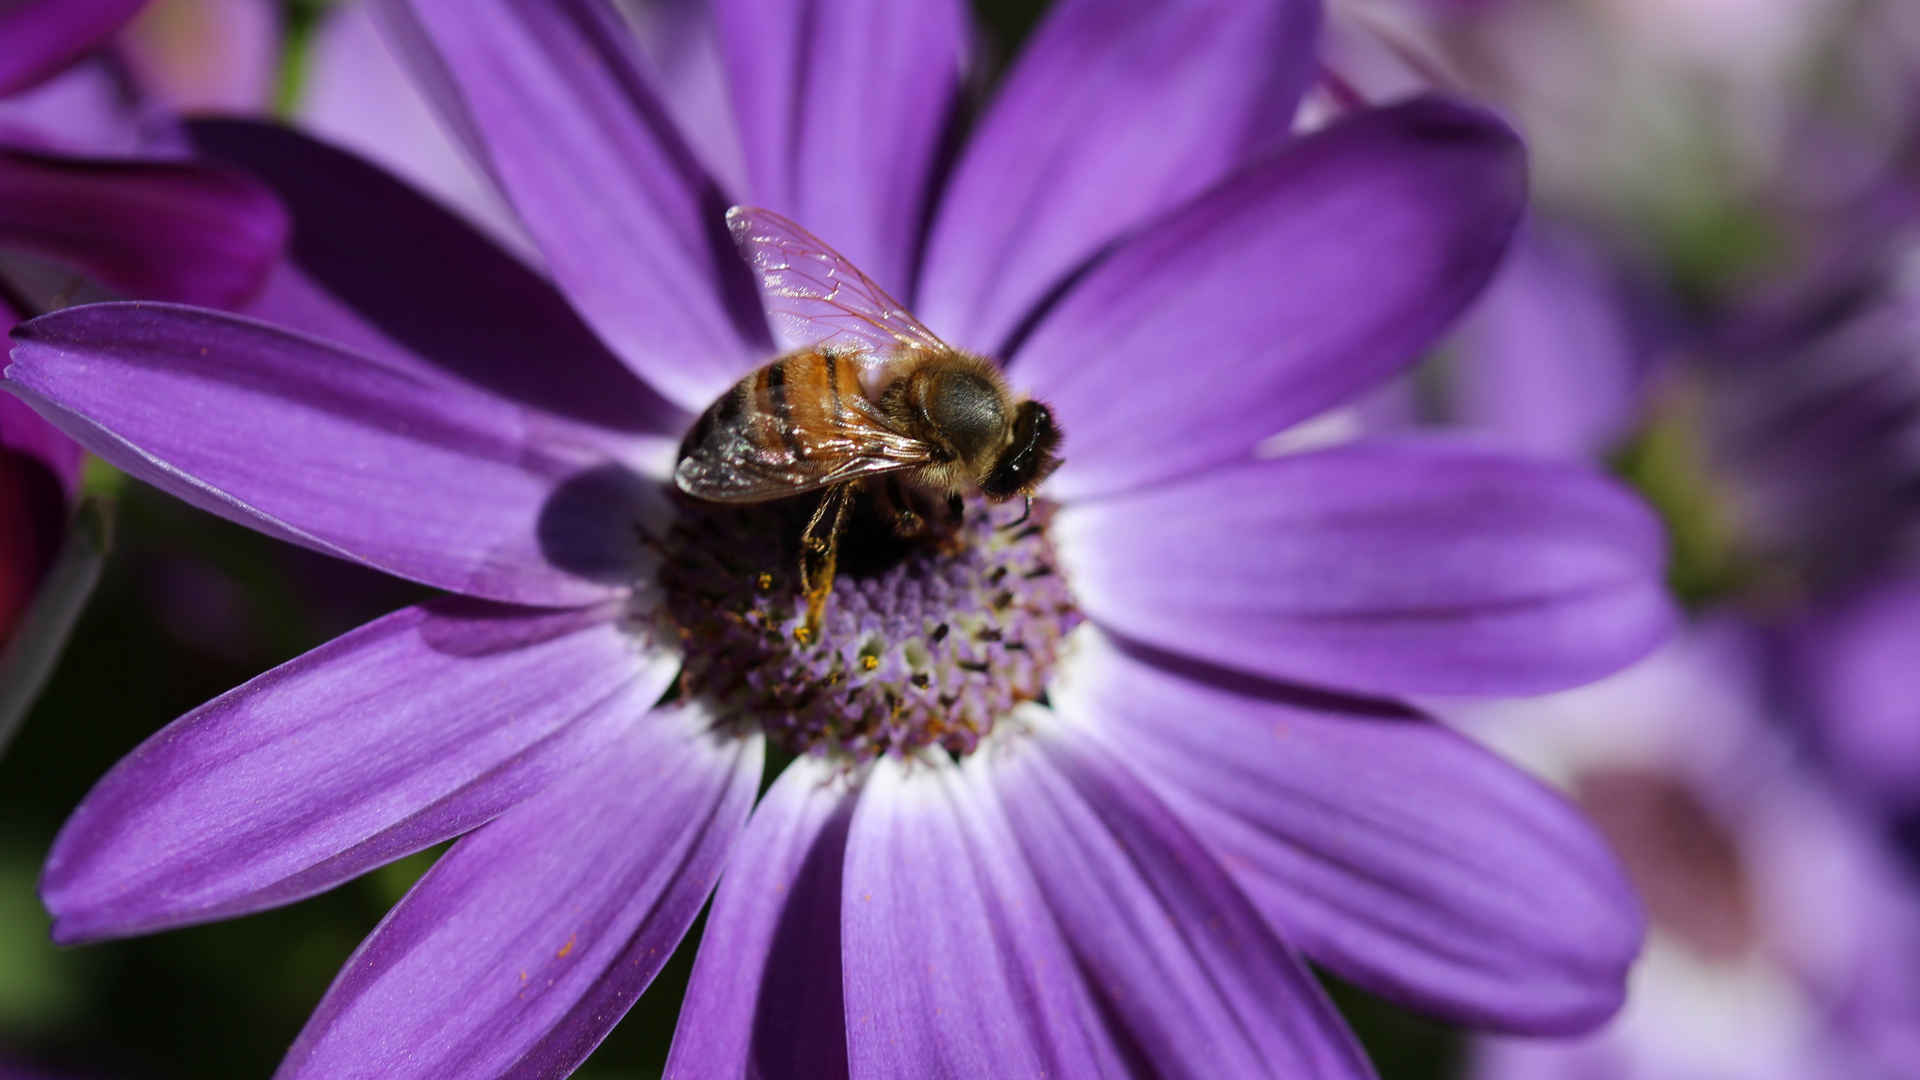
1030,458
968,411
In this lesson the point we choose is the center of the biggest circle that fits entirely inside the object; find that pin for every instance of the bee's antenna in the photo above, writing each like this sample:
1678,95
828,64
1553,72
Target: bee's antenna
1024,515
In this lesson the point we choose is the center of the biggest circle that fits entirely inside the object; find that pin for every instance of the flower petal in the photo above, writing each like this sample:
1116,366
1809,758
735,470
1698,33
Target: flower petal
1113,113
1182,963
764,999
555,102
1372,235
447,299
843,106
30,647
1388,848
530,939
162,230
1549,359
396,736
312,444
952,966
39,37
1380,567
22,431
358,97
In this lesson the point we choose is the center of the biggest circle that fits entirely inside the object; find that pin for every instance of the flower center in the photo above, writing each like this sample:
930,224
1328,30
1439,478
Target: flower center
926,640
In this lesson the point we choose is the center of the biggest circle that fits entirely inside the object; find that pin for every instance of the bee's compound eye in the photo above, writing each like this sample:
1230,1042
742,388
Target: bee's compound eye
968,411
1030,459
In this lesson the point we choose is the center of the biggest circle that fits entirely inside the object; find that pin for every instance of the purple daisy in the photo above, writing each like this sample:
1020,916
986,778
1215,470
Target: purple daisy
1074,798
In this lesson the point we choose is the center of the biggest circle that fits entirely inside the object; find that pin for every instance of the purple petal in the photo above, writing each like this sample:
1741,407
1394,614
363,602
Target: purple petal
681,43
1549,359
1182,963
842,109
1114,113
398,735
41,590
1387,847
22,431
530,939
556,105
1286,289
764,999
33,517
1854,671
447,299
1380,567
84,111
39,37
315,445
357,96
151,229
953,966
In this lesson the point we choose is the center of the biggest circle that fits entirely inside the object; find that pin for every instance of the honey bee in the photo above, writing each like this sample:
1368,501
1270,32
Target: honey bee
868,393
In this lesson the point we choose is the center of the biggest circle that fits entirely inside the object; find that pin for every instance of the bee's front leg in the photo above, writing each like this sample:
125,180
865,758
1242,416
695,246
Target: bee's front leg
894,506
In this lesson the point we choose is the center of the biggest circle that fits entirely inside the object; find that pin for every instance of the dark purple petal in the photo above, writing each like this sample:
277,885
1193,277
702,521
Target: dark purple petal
1380,567
446,298
312,444
765,995
554,101
357,96
953,966
396,736
39,37
1284,290
1388,848
152,229
1182,964
40,599
842,107
1114,113
33,516
530,939
23,432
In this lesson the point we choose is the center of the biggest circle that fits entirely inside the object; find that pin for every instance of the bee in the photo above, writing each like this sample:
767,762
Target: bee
869,397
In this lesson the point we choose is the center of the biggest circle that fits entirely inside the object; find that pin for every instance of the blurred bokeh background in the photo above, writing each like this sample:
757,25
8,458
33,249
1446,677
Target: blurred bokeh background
1717,297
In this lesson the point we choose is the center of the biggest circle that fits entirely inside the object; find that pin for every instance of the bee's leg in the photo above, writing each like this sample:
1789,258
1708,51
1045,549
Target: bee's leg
1024,515
907,523
819,552
956,508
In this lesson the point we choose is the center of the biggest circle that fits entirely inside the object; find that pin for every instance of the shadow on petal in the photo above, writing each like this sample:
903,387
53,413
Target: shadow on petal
604,523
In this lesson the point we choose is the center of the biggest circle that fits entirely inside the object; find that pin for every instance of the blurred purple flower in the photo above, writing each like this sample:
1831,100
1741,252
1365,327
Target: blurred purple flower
197,55
1086,880
1781,931
94,196
1853,666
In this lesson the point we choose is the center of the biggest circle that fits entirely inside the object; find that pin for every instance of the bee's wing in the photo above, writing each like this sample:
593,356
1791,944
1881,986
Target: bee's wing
745,454
816,297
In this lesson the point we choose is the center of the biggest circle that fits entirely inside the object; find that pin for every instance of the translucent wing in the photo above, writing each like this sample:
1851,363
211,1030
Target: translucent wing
815,296
798,424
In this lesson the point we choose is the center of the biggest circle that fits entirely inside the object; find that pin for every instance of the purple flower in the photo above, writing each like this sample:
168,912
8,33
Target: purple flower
1781,929
1072,798
94,197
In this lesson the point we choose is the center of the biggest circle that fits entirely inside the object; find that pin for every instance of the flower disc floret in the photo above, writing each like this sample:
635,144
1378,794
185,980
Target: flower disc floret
926,641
